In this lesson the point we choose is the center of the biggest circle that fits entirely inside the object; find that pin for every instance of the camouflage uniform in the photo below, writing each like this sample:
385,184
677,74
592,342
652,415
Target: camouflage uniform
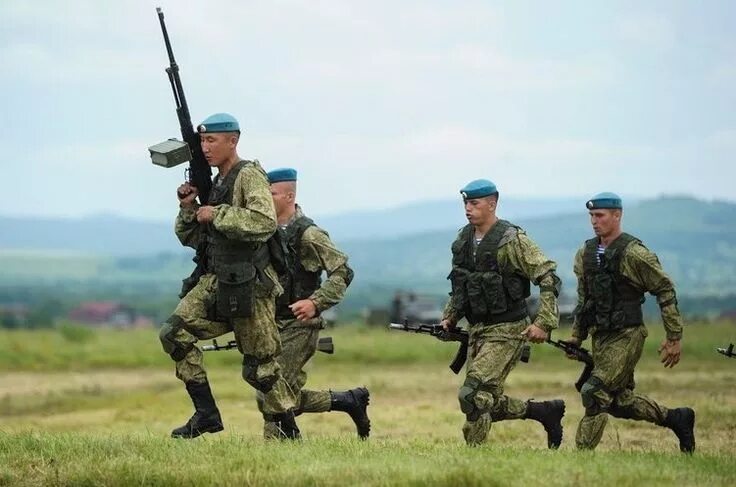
316,254
616,350
494,348
250,218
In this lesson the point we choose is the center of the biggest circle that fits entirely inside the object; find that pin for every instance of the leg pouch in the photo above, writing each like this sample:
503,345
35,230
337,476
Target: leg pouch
235,283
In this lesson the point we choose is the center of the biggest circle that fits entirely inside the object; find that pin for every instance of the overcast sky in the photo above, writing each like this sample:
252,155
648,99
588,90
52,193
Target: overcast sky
375,103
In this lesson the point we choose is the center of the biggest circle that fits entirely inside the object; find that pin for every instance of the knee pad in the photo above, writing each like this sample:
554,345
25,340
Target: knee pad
167,335
587,393
251,364
466,396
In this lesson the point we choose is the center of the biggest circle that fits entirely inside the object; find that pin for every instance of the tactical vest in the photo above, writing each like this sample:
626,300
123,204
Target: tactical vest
611,300
483,291
235,263
298,283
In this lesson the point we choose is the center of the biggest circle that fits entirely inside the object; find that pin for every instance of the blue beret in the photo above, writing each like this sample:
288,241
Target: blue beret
219,122
480,188
607,200
282,174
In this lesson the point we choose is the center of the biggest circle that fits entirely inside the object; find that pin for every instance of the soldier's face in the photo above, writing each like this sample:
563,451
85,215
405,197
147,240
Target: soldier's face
605,222
218,147
283,196
479,210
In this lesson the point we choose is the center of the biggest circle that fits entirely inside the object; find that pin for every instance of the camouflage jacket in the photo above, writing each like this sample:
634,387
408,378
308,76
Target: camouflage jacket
319,253
251,217
521,254
640,266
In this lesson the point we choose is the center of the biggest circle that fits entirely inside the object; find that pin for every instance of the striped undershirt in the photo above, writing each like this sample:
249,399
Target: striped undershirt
599,253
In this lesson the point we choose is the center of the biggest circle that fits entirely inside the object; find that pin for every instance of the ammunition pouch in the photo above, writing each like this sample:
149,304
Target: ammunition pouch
612,302
235,286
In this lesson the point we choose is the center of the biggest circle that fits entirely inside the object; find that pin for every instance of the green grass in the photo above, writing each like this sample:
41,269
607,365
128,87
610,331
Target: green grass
96,409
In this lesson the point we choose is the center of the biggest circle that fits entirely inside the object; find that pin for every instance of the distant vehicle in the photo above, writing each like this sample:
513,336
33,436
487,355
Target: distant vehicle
415,308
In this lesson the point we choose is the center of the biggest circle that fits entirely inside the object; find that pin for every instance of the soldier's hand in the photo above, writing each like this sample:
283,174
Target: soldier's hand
186,194
304,309
534,334
448,325
206,214
669,352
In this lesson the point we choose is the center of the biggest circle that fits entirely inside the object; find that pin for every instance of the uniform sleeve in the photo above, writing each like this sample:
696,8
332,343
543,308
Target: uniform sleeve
186,227
318,253
578,331
642,267
251,217
525,256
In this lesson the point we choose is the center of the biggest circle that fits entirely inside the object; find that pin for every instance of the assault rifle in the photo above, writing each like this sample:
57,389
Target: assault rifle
580,354
172,152
728,352
324,345
454,335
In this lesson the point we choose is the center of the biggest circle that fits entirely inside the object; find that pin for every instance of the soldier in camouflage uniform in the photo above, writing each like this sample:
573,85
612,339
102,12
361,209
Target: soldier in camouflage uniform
300,253
234,286
614,270
493,264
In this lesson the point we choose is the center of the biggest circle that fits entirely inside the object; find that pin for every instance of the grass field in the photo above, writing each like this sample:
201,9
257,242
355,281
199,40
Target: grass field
96,408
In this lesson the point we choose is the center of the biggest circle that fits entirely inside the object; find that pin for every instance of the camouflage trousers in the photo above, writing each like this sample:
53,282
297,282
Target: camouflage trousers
493,352
298,345
257,338
610,389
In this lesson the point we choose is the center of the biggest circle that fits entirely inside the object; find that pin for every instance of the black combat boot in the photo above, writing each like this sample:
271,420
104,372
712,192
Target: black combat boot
355,403
206,417
682,422
550,414
286,423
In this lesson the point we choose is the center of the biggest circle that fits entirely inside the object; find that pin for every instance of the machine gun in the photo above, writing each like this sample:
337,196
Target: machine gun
454,335
324,345
172,152
728,352
580,354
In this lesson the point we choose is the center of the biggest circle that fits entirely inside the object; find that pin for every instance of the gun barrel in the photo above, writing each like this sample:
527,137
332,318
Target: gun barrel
398,326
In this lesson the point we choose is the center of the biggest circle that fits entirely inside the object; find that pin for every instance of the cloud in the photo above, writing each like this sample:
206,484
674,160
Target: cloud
650,31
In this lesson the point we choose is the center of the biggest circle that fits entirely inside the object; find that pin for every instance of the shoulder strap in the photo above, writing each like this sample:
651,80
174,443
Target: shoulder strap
486,255
616,250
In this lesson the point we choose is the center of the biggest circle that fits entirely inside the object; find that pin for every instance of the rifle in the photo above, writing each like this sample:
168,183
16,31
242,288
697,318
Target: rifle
172,152
324,345
728,352
454,335
580,354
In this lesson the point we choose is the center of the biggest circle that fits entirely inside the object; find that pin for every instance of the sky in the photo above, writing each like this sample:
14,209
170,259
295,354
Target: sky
376,104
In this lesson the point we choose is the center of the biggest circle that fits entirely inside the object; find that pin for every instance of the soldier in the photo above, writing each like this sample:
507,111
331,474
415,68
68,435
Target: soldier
300,252
234,286
493,262
614,270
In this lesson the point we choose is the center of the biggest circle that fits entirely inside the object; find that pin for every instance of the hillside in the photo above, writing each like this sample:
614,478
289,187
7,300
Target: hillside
696,242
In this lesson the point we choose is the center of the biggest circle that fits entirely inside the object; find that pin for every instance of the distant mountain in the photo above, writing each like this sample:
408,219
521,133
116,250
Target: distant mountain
427,216
115,236
695,240
100,235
